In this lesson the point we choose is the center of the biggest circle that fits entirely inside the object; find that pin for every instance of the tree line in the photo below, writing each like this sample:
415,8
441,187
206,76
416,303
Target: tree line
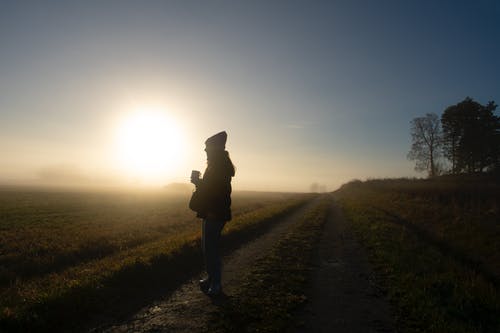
465,139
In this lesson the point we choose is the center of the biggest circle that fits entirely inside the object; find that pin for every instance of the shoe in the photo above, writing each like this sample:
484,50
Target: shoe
215,290
204,285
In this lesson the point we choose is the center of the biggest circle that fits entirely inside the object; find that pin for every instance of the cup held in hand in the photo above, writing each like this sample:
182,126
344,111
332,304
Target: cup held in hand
195,176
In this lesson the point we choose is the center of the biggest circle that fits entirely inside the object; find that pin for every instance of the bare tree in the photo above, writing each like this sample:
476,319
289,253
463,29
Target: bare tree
426,143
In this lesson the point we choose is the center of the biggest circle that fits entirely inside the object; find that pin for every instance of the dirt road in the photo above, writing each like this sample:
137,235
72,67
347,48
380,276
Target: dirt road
341,295
187,309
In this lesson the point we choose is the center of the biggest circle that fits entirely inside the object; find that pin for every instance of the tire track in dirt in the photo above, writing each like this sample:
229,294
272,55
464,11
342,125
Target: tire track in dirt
187,309
342,295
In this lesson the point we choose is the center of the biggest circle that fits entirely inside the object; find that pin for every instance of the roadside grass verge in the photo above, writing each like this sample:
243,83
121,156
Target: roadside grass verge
273,289
435,247
119,284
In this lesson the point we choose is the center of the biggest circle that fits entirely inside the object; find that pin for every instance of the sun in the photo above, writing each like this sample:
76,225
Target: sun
149,144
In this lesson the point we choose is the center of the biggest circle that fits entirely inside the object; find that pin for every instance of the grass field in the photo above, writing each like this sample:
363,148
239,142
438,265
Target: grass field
67,254
436,247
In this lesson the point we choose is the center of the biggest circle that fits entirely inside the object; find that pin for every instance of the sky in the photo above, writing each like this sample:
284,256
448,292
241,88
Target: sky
308,91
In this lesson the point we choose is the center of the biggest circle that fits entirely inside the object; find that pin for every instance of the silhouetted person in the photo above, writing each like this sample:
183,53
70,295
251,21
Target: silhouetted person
214,191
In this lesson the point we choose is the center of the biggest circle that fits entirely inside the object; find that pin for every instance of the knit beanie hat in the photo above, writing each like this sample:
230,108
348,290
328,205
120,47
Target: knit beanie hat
217,141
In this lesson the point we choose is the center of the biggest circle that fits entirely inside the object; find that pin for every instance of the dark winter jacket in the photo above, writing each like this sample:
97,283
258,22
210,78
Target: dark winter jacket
215,193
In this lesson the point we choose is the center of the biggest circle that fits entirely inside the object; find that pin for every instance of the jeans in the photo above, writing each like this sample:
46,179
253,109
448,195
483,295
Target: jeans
211,231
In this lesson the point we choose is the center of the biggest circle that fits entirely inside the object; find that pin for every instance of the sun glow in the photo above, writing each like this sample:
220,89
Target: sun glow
149,145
